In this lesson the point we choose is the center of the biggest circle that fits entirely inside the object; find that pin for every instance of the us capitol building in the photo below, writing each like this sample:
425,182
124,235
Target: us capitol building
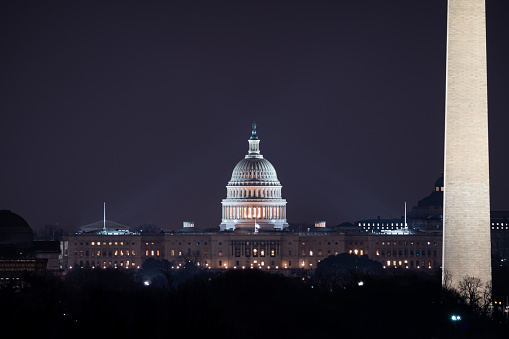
253,196
253,233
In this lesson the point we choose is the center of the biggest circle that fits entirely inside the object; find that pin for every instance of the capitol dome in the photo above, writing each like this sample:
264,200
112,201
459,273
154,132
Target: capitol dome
253,198
255,170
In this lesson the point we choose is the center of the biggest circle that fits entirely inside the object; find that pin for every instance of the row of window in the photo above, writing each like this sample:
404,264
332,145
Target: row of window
328,243
105,264
248,252
113,243
400,253
105,243
405,243
255,262
383,224
104,253
409,263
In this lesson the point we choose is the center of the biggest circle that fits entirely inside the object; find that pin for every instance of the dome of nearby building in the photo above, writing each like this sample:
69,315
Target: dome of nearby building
253,198
10,219
14,230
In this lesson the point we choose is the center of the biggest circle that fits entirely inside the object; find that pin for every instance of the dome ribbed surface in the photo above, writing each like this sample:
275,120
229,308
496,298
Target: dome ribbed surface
254,169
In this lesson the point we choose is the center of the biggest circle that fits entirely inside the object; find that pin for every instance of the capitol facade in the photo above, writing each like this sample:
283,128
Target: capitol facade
253,233
253,194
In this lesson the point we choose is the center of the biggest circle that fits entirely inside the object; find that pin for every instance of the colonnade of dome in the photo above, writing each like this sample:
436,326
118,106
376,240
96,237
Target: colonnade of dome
253,192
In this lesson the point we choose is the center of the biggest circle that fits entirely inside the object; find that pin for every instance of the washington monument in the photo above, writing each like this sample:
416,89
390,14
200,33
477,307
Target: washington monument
467,248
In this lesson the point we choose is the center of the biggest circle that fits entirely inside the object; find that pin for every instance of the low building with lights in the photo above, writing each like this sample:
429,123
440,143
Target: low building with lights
265,250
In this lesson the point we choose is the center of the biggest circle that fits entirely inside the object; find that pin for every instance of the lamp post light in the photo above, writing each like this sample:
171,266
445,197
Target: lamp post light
455,319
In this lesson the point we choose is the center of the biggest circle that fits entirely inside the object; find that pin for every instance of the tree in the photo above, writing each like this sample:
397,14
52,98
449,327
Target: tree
470,289
476,294
345,269
157,272
191,259
345,263
49,232
148,228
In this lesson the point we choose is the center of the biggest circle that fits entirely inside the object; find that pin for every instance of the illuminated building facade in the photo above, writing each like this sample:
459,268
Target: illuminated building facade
264,250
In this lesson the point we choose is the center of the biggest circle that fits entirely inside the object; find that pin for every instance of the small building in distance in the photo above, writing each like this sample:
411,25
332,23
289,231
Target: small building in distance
427,215
383,226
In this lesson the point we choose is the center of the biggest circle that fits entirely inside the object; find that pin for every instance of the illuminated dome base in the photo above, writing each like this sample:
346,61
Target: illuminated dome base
254,215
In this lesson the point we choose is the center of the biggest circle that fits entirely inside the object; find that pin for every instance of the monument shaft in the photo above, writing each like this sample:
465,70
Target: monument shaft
467,249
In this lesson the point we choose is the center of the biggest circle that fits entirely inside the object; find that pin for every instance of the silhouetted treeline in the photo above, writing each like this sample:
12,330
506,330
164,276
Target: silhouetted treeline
197,303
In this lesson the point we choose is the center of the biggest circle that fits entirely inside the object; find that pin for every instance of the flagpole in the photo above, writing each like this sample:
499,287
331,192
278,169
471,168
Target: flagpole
104,219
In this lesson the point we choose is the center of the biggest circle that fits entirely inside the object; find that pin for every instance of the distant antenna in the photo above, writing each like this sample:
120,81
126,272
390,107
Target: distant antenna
104,227
405,216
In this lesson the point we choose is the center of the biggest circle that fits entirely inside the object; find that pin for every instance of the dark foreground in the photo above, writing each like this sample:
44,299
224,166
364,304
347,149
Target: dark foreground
197,303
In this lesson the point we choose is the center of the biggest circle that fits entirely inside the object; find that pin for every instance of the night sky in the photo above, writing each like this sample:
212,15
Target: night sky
148,106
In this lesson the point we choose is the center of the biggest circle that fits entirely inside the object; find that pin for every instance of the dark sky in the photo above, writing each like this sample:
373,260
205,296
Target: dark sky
148,105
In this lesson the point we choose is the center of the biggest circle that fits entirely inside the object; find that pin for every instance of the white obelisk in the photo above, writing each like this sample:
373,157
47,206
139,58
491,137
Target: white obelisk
467,248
